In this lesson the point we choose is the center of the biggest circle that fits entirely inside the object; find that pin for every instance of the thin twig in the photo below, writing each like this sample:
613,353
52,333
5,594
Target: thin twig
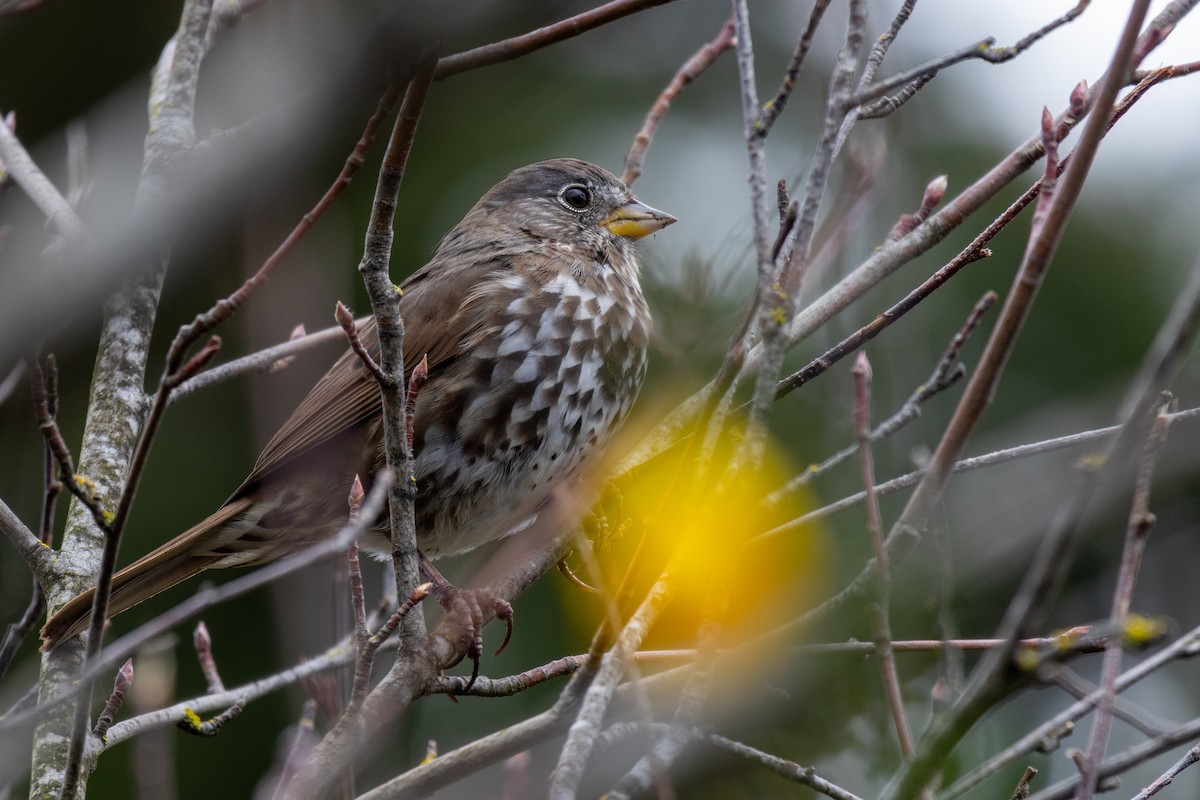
1165,780
402,684
346,320
1186,646
1136,532
756,160
83,488
967,464
202,642
1127,759
33,549
983,50
226,307
526,43
206,728
575,752
805,776
980,388
947,372
385,305
693,68
208,596
123,354
115,700
298,750
884,43
261,361
21,166
1022,790
1127,711
779,291
774,107
879,610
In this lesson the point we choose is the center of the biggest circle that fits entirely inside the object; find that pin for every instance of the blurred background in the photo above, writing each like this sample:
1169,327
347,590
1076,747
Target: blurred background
76,69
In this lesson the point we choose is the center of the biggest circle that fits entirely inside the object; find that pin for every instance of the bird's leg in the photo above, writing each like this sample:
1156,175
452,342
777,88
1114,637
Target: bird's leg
471,602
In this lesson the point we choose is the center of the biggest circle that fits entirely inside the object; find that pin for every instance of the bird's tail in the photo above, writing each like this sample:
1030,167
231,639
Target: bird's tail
171,564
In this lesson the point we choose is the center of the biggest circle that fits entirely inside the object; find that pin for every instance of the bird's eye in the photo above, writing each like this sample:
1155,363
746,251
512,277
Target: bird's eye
576,198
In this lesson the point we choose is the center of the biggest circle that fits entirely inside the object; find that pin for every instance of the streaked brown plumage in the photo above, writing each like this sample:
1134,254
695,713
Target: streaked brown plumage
535,328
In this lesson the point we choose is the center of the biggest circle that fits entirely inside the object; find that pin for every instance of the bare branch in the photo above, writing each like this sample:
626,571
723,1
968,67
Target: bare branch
115,700
774,107
879,610
1136,532
526,43
982,50
1168,777
18,163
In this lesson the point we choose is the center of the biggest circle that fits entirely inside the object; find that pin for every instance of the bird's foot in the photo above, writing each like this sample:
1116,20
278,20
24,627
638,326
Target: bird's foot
475,607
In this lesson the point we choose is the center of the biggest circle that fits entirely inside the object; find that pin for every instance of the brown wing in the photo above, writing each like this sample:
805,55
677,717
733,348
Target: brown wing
435,326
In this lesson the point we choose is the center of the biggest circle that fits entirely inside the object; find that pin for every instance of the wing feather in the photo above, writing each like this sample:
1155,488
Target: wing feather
438,320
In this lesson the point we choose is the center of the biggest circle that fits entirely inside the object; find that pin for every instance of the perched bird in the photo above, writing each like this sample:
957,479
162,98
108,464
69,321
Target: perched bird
535,330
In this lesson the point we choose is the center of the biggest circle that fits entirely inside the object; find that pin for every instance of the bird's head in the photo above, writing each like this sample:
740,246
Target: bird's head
570,203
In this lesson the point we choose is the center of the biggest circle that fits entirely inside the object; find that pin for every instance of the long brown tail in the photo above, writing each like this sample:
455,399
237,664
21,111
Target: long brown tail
170,564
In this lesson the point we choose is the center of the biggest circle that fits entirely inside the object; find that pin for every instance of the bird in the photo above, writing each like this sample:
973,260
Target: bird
532,320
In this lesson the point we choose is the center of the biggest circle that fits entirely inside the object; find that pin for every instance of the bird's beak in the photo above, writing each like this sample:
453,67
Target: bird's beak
635,220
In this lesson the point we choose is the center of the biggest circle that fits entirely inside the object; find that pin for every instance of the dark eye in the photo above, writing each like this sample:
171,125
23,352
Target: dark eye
576,198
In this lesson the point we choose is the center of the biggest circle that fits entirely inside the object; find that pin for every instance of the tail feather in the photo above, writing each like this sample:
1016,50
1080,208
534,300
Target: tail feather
170,564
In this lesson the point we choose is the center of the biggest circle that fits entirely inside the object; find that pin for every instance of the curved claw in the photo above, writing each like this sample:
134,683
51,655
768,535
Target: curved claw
472,602
474,652
504,611
574,579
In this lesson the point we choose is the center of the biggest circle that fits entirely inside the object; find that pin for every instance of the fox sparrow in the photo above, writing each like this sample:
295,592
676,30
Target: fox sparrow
535,329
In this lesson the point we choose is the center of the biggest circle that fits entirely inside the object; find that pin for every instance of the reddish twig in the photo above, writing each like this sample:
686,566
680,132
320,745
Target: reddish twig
368,644
774,107
415,381
934,192
346,320
266,360
879,610
1136,532
526,43
700,61
202,642
120,686
226,307
977,396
